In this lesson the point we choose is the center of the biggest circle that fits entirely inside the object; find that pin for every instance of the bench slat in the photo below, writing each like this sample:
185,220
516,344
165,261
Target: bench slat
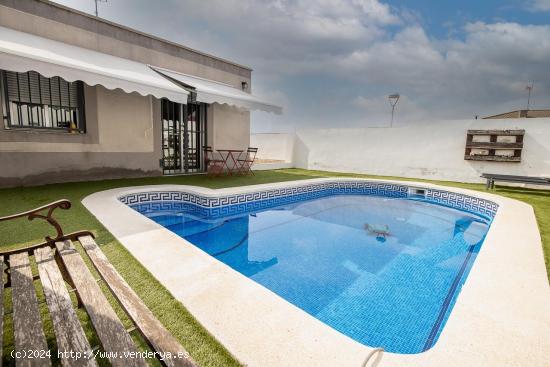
512,178
114,337
157,335
27,324
68,331
519,180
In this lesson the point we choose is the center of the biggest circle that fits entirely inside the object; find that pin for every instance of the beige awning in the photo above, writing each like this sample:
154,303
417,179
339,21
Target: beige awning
210,91
22,52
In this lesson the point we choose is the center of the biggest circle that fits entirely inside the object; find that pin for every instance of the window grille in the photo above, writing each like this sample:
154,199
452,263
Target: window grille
34,101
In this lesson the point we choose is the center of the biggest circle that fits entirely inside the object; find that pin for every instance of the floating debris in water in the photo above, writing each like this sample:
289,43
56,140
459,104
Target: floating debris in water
381,231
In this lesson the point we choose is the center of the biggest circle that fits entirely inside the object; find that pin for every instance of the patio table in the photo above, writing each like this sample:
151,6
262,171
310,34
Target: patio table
230,156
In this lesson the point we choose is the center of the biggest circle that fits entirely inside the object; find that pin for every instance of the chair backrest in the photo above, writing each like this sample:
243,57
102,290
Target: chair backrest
208,153
251,153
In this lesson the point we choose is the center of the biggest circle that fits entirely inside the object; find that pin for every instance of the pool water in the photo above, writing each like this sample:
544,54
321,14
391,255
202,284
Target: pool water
393,290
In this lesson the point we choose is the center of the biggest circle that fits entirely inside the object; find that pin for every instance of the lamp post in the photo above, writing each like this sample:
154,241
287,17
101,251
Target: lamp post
98,1
393,98
529,89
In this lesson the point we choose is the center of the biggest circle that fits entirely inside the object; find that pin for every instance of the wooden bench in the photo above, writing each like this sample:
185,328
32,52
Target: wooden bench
61,271
491,178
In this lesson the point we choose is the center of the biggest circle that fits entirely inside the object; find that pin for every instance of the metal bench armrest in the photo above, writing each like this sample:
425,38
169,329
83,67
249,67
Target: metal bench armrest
45,212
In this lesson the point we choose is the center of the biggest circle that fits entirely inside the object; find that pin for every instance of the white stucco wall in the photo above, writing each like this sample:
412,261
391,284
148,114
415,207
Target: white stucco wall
274,146
125,121
432,150
118,121
228,127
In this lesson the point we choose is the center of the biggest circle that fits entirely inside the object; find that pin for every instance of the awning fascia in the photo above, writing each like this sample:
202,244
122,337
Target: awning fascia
22,52
210,91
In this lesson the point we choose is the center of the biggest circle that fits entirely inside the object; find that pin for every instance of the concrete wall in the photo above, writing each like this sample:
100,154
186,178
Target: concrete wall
115,122
228,127
274,146
427,150
122,139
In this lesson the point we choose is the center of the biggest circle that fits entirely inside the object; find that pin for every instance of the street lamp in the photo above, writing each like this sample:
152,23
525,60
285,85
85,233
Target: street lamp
98,1
529,89
393,98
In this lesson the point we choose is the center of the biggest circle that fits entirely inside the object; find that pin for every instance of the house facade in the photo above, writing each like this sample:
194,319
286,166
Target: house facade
85,98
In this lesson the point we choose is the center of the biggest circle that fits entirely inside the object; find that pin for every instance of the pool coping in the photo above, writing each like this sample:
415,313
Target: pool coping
500,317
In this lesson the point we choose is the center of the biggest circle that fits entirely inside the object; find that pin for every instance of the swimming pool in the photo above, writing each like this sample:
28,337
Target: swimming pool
383,264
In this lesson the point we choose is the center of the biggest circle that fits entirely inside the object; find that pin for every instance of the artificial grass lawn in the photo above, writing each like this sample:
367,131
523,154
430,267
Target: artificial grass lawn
200,344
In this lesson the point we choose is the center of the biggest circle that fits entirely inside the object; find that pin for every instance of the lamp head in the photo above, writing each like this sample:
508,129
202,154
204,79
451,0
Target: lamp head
393,98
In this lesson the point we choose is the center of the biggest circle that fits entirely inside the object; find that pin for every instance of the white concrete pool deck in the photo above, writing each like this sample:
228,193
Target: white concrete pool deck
501,317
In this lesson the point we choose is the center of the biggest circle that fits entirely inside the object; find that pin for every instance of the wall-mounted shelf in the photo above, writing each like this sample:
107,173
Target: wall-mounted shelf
494,145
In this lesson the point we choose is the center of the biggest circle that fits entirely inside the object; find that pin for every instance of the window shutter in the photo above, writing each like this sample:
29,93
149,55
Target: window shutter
73,94
64,92
45,90
54,91
11,79
55,102
24,92
34,82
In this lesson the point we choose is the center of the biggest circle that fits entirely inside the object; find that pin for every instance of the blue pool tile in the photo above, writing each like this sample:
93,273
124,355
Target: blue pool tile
311,248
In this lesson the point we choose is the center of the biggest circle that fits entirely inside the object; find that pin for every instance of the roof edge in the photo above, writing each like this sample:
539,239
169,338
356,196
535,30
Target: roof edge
24,7
523,113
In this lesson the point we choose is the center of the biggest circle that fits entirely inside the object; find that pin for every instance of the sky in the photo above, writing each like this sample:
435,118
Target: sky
332,63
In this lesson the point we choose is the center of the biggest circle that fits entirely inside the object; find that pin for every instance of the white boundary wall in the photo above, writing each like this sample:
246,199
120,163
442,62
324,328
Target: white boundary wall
274,146
432,150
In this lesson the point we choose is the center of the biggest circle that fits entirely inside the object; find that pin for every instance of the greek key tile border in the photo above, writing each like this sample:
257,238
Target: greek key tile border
463,202
238,203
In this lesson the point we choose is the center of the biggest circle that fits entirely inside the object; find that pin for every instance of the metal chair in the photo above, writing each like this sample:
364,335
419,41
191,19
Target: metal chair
214,166
245,163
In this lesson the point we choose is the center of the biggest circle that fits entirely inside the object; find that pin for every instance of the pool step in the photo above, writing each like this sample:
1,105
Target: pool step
191,227
183,225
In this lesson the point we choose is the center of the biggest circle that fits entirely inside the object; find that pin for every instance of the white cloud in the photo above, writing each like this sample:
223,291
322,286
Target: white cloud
406,59
543,5
377,11
348,42
338,59
458,78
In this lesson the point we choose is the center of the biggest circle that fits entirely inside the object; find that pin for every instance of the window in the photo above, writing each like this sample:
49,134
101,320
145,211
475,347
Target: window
34,101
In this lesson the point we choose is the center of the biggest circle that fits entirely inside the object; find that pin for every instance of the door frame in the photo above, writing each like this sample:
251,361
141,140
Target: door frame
183,139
